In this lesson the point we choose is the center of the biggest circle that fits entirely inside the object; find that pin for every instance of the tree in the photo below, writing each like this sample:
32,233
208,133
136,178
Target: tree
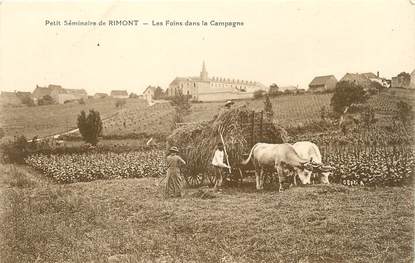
27,100
182,107
404,113
158,93
133,95
273,90
46,100
90,126
258,94
345,94
406,78
268,107
120,103
181,102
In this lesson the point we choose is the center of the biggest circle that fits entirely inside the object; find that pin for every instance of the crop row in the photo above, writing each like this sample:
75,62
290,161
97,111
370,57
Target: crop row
70,168
371,166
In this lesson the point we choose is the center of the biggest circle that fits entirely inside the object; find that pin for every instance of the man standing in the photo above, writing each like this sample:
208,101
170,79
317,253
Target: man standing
219,164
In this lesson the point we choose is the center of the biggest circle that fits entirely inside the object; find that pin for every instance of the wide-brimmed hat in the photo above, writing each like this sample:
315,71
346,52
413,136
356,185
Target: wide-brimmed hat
174,149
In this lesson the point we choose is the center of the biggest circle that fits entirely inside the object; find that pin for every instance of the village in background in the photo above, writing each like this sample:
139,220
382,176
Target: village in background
206,89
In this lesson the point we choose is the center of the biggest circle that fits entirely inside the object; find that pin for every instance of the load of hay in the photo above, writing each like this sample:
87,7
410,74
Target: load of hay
197,142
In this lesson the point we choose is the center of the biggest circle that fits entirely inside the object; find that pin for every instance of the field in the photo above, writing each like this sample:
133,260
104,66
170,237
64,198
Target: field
288,110
53,119
128,220
156,119
136,117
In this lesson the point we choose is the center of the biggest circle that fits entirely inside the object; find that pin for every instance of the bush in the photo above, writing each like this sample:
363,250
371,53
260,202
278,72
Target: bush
90,126
405,113
27,100
345,94
258,94
133,95
46,100
15,151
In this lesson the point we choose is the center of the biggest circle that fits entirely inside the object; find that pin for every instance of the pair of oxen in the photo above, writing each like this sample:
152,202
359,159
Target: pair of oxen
302,159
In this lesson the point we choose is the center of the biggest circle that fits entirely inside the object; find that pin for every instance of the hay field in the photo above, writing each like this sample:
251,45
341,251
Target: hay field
53,119
129,221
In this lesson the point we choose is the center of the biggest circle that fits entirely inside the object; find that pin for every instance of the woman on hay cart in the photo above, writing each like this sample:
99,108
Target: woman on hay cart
174,181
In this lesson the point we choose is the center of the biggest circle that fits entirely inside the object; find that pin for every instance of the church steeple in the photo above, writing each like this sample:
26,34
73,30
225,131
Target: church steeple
204,74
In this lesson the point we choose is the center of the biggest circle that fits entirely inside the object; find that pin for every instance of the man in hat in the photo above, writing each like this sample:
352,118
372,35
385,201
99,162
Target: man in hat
219,163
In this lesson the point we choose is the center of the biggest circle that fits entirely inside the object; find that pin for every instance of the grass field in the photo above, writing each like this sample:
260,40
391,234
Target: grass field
52,119
128,220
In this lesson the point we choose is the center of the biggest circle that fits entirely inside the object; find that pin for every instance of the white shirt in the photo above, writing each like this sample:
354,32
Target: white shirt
218,159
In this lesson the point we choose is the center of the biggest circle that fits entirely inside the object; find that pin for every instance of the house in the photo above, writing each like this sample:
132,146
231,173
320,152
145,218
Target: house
100,95
361,79
77,93
322,83
148,93
59,94
205,88
9,98
288,89
40,92
119,94
404,81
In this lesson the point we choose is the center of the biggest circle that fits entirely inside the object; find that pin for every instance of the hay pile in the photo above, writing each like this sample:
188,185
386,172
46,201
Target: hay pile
197,142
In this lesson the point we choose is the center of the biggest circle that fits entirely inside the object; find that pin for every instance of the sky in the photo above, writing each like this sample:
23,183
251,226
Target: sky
287,42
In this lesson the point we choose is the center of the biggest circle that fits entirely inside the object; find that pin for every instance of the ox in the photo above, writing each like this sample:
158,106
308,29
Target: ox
309,151
278,156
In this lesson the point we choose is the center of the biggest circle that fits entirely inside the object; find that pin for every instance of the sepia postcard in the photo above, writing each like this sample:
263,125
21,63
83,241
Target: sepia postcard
207,131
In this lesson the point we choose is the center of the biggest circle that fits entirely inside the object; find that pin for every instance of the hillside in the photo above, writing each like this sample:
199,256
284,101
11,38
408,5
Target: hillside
289,110
53,119
137,117
156,119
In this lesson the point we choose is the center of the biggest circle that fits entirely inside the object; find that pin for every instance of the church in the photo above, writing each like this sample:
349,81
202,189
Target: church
203,88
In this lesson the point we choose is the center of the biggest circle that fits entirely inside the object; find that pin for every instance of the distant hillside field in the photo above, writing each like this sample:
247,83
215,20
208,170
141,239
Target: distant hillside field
53,119
289,110
155,119
137,117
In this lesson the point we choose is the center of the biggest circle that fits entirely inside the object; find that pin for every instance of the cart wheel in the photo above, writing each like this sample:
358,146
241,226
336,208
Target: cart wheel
194,180
237,175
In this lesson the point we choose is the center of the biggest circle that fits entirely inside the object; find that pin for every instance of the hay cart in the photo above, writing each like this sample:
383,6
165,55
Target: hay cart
252,126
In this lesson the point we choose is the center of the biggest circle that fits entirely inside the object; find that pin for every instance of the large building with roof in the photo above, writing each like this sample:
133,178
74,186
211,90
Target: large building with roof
203,88
119,94
365,79
322,83
59,94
